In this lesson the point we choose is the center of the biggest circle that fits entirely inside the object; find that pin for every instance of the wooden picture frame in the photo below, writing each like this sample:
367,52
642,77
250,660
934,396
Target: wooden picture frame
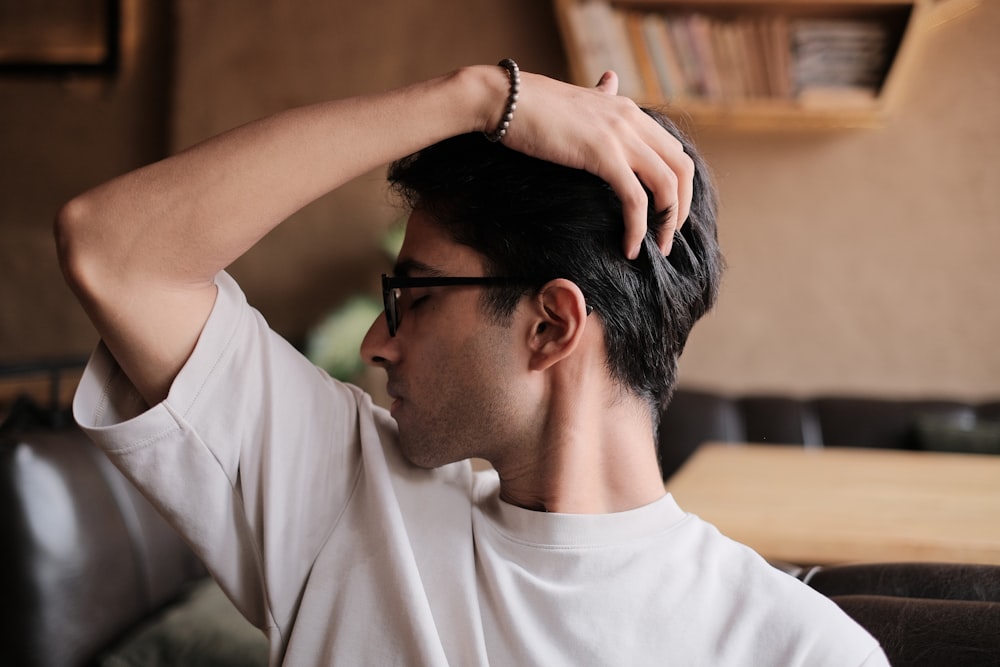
59,36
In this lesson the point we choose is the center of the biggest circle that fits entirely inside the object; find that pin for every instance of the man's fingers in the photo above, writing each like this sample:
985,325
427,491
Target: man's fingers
619,174
684,171
666,239
668,180
664,182
672,190
664,169
634,207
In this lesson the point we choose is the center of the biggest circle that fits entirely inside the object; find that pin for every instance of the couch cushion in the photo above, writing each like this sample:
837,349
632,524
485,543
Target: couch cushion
779,420
931,633
200,629
961,433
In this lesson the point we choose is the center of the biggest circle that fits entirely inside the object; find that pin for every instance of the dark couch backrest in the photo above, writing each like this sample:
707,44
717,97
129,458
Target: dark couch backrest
694,417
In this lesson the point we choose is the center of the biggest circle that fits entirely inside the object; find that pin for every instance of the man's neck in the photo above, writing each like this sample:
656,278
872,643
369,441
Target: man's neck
592,459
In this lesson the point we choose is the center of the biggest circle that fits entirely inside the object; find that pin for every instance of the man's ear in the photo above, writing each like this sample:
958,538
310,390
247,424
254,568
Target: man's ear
559,317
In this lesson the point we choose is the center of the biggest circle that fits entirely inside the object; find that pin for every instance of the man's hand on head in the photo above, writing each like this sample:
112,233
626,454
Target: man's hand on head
671,188
611,137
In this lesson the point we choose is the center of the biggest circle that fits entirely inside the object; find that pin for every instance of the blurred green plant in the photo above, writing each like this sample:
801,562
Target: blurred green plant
334,343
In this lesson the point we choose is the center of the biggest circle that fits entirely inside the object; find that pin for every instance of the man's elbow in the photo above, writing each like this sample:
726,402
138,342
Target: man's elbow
75,231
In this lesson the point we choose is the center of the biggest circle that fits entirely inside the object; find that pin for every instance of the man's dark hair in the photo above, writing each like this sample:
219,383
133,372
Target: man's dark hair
535,219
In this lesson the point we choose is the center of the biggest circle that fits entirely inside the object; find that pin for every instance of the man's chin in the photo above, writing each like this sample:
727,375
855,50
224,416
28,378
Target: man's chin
422,455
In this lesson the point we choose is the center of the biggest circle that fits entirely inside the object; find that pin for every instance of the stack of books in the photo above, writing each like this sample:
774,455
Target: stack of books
839,57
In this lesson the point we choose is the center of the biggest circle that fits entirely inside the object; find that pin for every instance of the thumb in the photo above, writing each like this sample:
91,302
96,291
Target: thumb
608,83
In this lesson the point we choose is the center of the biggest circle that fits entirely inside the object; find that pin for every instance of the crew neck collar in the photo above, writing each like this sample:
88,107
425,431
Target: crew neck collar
578,530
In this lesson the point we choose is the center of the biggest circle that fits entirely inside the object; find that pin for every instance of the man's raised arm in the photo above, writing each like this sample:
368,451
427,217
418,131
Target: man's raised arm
141,250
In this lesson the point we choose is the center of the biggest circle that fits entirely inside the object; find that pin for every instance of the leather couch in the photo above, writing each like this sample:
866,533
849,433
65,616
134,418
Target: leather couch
90,574
694,417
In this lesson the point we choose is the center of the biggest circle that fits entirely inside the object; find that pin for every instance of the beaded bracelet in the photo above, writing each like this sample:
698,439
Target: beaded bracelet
508,113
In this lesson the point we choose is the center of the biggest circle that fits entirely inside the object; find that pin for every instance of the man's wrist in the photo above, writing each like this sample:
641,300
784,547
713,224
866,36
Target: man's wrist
510,104
490,88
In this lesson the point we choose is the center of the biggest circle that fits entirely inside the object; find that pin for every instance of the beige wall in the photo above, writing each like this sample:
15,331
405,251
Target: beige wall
860,261
868,261
60,135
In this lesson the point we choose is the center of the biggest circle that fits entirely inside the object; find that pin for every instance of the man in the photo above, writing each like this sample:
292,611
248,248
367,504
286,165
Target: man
517,329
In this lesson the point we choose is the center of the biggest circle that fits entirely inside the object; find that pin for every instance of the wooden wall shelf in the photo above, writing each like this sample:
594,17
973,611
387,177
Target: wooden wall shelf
750,64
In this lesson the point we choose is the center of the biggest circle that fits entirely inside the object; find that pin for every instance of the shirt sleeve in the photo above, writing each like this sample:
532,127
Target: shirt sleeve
252,456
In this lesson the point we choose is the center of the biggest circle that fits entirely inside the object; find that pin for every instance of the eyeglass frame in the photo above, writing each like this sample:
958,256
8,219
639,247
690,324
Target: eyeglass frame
392,284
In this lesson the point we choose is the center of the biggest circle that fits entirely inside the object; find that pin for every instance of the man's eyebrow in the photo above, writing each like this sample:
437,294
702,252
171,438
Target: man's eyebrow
407,267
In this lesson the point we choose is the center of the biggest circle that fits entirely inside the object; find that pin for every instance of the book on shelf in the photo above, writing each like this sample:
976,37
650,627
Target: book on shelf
777,56
603,41
656,41
731,62
652,82
682,40
699,30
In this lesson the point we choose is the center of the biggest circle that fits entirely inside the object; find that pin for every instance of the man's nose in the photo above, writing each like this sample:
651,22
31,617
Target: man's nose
378,347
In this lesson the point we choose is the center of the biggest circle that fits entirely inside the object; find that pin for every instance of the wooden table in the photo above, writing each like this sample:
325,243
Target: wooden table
839,505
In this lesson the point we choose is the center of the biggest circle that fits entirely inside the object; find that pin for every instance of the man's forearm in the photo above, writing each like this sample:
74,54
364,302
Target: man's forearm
188,216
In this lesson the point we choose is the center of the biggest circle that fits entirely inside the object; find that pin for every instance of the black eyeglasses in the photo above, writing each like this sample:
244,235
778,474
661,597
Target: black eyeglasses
392,284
